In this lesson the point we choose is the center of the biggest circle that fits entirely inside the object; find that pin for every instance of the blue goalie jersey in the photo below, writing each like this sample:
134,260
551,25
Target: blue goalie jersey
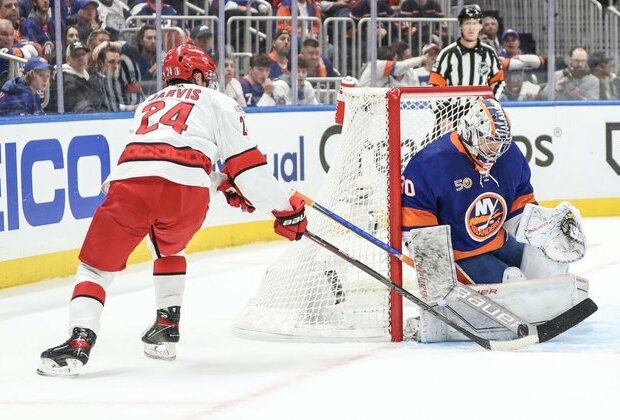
442,187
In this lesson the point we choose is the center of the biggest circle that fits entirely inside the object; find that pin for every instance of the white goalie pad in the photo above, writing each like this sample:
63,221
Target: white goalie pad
431,249
535,301
557,232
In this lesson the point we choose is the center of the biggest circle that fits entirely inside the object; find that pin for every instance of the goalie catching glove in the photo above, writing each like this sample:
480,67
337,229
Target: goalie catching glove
557,232
291,223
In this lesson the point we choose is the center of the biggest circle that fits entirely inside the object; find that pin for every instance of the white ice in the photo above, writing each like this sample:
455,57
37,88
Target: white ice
218,375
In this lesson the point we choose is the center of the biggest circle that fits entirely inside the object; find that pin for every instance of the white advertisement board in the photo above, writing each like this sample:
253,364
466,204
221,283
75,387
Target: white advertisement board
51,171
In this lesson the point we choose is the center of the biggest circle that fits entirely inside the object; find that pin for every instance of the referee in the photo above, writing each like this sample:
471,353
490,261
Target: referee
467,61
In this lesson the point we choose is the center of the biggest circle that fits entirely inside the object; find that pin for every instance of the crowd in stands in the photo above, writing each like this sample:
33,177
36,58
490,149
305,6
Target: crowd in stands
105,70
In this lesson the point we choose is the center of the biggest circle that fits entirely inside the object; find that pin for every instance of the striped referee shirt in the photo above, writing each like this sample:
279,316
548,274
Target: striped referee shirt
457,65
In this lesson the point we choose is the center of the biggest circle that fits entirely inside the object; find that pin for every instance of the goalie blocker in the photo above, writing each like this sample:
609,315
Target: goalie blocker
544,289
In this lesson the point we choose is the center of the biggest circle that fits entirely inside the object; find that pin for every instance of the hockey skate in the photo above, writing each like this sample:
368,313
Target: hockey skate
68,358
161,338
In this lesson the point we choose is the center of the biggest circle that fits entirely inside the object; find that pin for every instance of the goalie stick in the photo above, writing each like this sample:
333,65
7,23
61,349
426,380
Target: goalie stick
544,332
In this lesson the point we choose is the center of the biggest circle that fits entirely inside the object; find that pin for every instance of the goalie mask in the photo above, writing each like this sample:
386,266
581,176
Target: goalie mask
485,133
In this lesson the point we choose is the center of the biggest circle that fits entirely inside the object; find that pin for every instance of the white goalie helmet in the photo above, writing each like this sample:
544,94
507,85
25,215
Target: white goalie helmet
485,132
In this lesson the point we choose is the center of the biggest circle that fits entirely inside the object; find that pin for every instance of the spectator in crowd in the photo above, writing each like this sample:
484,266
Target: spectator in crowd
403,52
9,10
257,86
233,8
389,69
85,19
489,34
320,65
202,37
421,9
96,37
71,35
148,9
232,86
113,14
600,65
144,56
306,8
422,74
10,47
171,38
361,9
107,76
25,7
335,8
80,93
279,54
467,61
575,82
282,90
511,44
21,96
39,27
129,73
518,88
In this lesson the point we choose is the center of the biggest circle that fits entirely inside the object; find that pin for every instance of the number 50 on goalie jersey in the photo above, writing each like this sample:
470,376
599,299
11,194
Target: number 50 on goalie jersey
442,187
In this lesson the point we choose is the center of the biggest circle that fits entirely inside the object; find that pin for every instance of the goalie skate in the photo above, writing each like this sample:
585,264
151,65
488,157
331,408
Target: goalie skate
161,338
68,358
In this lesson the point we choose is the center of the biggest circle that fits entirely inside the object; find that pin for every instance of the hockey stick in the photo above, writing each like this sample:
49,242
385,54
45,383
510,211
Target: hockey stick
480,303
544,332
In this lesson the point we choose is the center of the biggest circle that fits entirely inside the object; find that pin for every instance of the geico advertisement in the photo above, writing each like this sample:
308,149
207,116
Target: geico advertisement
573,151
51,173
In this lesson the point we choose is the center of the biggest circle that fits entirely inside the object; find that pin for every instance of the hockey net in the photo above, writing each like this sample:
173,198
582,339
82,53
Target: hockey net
310,293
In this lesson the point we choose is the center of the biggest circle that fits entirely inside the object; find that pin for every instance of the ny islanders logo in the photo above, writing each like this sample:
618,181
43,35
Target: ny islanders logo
485,216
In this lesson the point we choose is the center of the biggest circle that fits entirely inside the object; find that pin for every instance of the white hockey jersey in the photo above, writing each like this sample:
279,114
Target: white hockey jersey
180,132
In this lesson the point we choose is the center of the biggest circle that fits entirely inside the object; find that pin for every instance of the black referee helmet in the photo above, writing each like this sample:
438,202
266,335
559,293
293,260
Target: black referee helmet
471,11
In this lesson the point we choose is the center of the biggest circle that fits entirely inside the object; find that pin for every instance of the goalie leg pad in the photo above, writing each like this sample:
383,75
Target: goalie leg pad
431,250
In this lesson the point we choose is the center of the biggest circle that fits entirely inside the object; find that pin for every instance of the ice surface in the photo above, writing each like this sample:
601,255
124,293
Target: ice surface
221,376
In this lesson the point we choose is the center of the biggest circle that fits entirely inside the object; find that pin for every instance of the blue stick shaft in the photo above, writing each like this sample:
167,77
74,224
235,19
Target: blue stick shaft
359,231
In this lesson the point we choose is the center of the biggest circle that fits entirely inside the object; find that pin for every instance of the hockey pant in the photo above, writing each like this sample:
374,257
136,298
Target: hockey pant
168,213
490,267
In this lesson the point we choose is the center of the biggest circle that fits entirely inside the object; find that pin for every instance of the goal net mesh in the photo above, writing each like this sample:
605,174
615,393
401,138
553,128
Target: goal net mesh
310,293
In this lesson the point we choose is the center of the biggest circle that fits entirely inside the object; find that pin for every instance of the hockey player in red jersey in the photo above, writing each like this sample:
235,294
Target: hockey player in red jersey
161,189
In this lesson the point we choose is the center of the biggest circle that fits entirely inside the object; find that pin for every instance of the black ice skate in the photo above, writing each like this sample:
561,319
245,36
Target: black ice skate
68,358
159,340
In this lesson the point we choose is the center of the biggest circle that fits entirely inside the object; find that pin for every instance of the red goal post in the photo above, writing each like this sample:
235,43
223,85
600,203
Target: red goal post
395,97
310,294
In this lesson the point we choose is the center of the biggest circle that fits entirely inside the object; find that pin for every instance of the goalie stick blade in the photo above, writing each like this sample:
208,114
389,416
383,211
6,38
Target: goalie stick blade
566,320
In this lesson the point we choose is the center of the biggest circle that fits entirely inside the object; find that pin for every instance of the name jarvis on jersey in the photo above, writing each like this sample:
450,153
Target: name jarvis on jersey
180,93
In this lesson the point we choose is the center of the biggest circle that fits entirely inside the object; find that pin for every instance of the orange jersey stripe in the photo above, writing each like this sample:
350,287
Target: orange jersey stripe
520,202
389,65
418,218
462,276
495,243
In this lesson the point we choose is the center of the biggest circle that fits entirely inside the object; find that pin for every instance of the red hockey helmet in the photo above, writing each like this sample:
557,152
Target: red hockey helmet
181,62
